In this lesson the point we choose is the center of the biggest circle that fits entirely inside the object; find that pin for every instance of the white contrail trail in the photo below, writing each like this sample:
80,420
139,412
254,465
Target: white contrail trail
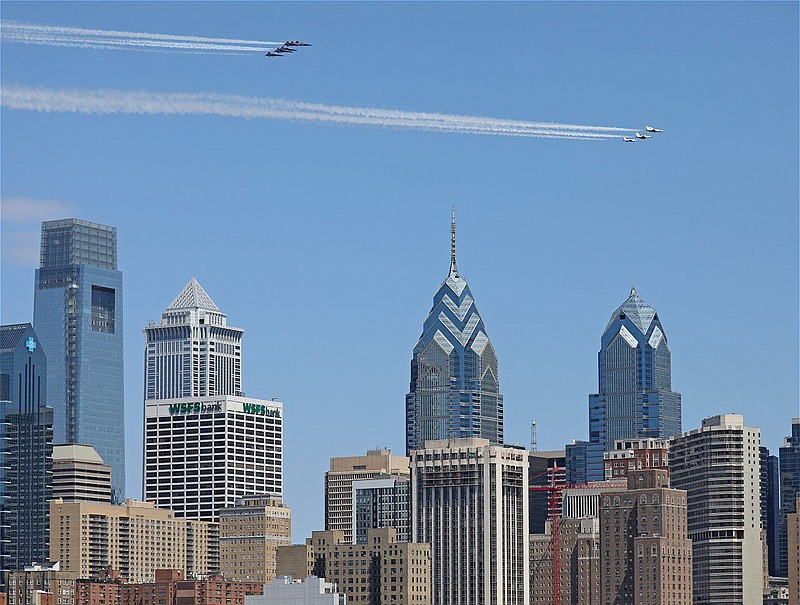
175,103
49,35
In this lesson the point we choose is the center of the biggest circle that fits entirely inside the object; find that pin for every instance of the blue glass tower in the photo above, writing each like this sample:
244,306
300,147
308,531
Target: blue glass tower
789,490
26,450
455,392
77,314
635,398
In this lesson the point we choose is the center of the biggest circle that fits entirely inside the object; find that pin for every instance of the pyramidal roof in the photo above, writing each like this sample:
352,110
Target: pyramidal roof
635,309
193,297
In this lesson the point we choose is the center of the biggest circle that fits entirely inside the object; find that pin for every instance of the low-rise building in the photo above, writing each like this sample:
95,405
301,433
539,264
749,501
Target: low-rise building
285,590
32,585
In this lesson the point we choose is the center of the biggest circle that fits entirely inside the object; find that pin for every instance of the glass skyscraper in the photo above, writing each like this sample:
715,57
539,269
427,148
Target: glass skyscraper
635,397
77,314
26,450
455,391
790,489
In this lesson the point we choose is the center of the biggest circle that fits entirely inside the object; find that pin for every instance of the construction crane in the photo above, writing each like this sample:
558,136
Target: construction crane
553,489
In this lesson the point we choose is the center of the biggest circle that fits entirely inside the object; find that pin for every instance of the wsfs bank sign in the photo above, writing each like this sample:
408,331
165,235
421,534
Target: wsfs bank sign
258,409
196,407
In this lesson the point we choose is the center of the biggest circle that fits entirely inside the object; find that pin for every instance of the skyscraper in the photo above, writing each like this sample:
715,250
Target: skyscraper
635,397
790,488
194,352
455,391
770,506
718,465
77,314
470,503
26,450
206,445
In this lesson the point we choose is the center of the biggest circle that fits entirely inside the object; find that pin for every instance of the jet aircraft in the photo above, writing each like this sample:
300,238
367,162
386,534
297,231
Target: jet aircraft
651,129
628,140
295,43
284,49
270,54
643,136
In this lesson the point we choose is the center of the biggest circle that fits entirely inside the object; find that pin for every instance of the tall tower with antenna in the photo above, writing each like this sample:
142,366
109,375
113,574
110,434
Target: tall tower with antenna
534,446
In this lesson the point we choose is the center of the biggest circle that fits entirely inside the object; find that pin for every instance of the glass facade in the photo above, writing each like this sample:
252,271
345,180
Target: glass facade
382,502
26,450
455,389
78,316
635,397
790,488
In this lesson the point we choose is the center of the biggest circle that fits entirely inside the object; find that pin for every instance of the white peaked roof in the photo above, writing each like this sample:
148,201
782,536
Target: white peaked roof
193,297
635,309
77,452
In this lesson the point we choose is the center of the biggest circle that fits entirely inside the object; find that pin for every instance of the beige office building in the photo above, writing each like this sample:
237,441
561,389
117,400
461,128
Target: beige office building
646,557
80,475
136,538
42,584
250,533
339,484
719,467
470,502
381,572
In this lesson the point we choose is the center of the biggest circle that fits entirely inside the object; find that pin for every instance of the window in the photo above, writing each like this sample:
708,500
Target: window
103,307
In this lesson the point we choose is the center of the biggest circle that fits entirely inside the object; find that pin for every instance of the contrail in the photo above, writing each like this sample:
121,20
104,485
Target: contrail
50,35
103,102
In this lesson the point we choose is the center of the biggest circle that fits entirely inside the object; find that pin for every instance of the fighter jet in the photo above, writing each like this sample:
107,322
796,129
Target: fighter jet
651,129
628,140
643,136
284,49
295,43
270,54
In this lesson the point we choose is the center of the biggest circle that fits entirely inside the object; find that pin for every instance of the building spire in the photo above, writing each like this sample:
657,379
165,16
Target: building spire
453,265
633,290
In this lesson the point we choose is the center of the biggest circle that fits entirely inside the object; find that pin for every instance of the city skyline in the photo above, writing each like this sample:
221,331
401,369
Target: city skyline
340,233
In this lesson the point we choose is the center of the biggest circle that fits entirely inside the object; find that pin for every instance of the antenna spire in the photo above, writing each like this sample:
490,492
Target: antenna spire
453,265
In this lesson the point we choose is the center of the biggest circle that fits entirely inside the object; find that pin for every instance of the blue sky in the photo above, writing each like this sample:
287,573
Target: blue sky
326,243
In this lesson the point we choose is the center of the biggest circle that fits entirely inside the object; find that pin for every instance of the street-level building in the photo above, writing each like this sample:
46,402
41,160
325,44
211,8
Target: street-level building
470,503
135,538
202,454
26,450
250,533
42,584
77,313
285,590
339,484
80,475
718,465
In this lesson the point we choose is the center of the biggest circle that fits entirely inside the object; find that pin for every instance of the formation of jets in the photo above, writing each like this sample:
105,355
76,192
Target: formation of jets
640,136
286,47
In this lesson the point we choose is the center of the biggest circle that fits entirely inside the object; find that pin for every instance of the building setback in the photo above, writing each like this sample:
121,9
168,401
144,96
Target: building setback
455,389
135,538
718,465
26,450
384,571
646,557
470,503
80,475
77,312
339,484
250,533
635,398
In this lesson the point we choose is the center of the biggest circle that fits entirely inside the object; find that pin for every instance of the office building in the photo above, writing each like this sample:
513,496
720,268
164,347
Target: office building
793,553
42,584
470,503
635,398
576,457
79,474
202,454
206,445
193,352
770,508
455,389
250,532
339,484
718,465
789,456
579,571
77,313
285,590
382,502
26,449
381,572
135,538
546,468
646,557
631,455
